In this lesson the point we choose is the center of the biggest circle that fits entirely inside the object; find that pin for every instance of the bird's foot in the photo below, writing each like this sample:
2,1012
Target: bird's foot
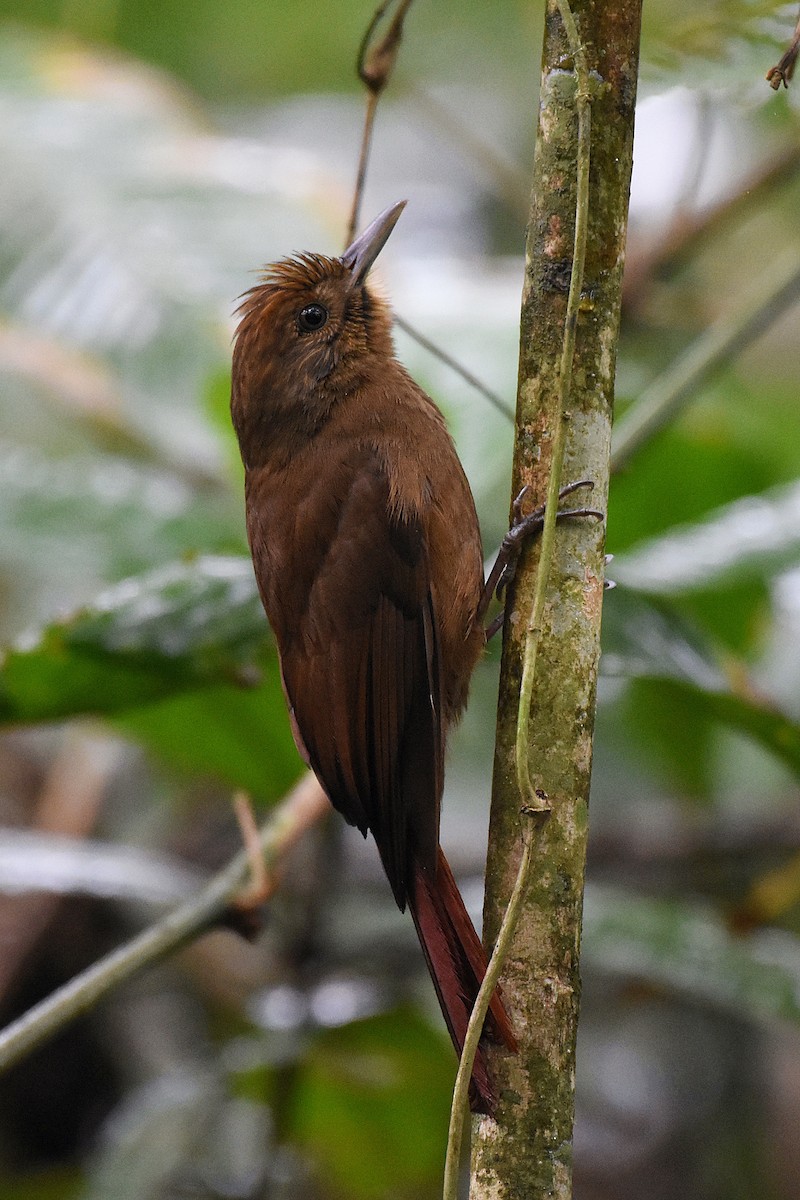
523,526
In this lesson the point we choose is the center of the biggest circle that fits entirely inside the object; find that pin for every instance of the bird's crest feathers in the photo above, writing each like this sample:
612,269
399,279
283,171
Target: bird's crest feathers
296,275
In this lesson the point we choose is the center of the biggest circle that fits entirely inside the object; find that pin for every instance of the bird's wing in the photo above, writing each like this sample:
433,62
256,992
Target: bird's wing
362,671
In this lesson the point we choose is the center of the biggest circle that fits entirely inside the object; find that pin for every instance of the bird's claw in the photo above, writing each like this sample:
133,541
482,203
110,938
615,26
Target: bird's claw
516,507
524,525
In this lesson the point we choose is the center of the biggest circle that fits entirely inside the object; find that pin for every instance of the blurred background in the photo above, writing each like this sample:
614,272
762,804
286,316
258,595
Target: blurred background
153,155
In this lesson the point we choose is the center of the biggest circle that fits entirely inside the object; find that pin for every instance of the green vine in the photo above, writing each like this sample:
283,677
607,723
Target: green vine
533,805
583,103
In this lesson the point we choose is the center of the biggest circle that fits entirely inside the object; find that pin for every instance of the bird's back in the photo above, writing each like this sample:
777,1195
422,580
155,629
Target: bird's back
368,556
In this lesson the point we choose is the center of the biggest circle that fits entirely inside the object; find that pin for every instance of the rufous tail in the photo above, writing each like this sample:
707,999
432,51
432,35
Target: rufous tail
457,963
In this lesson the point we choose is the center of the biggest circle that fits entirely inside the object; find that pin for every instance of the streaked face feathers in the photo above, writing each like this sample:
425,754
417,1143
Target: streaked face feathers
301,342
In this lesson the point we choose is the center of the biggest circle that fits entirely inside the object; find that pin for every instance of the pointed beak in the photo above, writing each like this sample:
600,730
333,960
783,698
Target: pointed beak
361,254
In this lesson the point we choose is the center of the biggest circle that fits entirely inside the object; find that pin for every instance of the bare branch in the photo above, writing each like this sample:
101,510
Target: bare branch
302,808
374,68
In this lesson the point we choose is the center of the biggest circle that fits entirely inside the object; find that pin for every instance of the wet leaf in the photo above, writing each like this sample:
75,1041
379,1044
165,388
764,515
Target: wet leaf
107,513
687,947
183,626
645,638
680,687
182,658
747,539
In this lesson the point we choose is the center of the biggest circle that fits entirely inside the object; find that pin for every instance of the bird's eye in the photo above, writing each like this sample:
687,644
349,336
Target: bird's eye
312,318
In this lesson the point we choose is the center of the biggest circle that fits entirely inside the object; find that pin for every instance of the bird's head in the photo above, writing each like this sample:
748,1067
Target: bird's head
310,333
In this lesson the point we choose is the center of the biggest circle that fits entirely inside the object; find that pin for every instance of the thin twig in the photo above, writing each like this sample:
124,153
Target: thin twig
481,1007
497,401
303,807
784,69
583,104
668,394
374,68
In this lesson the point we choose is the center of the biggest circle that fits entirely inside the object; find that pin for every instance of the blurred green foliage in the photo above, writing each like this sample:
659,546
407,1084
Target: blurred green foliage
131,212
364,1088
255,49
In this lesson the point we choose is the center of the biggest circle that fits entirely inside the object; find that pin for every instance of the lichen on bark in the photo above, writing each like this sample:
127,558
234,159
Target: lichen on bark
527,1152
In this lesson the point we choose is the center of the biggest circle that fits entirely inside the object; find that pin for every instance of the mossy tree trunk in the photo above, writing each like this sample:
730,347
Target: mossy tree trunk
526,1154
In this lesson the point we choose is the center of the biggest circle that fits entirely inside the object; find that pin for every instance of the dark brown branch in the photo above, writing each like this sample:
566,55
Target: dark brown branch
374,67
783,71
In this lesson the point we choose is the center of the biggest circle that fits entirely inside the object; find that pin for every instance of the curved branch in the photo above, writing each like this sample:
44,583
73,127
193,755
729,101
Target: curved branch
302,808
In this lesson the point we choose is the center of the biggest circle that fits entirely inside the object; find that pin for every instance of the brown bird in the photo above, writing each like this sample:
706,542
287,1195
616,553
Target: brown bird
367,552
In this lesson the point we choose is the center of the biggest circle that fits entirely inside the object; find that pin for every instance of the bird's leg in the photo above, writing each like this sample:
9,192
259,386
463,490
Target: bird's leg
523,526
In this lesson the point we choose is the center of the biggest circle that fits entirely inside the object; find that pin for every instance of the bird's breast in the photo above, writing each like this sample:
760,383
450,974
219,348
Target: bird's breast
317,522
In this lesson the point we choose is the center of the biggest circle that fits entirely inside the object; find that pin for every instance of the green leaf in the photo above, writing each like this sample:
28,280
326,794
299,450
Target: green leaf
372,1104
749,538
180,627
683,474
174,656
242,738
688,948
108,514
730,38
679,689
675,729
644,638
